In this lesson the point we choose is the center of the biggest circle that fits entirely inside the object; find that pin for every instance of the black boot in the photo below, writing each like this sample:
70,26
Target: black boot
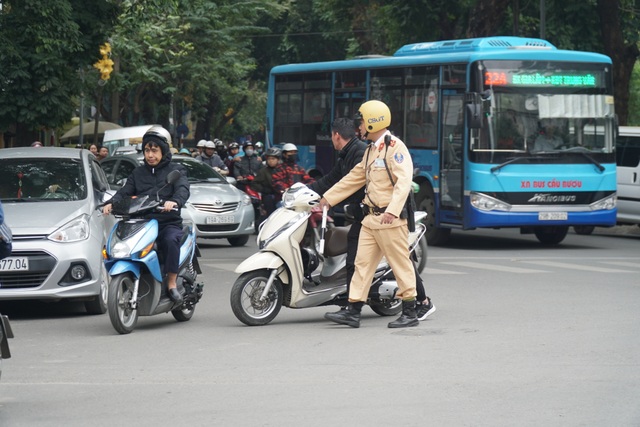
349,316
408,317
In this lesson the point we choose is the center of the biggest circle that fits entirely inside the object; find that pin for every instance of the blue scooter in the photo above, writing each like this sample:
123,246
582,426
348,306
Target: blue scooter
136,287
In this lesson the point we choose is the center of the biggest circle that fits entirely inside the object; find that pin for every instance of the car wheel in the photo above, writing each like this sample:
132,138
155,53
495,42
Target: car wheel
238,241
98,304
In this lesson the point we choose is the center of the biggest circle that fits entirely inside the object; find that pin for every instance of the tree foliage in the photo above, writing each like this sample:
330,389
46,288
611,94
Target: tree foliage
42,45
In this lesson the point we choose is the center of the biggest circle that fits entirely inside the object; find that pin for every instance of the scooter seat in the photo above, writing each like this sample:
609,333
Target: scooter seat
335,241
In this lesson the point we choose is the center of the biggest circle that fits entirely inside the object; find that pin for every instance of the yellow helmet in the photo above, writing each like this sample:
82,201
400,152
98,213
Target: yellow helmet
375,114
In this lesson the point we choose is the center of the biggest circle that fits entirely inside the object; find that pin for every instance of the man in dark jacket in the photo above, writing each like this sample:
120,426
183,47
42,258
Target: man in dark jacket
147,180
263,182
249,164
351,150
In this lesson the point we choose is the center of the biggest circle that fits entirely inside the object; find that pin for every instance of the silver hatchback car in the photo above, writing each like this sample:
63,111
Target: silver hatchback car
50,198
217,208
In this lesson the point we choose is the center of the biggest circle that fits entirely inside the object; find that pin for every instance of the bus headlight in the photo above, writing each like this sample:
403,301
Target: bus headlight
607,203
486,203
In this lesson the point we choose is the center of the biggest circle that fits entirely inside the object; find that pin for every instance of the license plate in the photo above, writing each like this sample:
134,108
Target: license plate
552,216
224,219
14,264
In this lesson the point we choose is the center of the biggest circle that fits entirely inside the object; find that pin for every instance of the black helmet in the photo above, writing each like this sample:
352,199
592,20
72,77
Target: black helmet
247,144
234,145
273,152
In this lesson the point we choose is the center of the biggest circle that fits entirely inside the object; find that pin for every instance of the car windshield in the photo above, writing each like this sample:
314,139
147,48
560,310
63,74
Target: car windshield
199,172
31,180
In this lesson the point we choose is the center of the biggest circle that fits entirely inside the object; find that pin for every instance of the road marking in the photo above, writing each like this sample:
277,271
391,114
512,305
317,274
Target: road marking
622,263
430,270
581,267
492,267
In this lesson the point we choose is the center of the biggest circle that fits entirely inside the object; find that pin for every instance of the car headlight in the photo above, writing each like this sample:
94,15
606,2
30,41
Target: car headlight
73,231
487,203
246,200
607,203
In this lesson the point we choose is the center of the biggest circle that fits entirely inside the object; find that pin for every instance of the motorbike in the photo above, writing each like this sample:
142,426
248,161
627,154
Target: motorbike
301,266
136,287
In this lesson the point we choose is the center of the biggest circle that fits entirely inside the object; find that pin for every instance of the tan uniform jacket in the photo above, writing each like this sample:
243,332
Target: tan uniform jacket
380,191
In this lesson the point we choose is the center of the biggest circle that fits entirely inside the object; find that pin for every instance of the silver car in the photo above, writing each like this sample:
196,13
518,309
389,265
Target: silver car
50,198
217,208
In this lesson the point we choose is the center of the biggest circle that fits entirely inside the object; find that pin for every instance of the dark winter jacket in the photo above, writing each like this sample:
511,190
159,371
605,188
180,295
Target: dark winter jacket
350,155
263,182
247,165
147,180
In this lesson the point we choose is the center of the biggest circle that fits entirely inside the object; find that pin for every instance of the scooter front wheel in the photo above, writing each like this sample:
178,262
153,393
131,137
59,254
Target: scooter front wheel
246,303
123,316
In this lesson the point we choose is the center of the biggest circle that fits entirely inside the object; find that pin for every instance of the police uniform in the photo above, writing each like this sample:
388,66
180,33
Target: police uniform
376,239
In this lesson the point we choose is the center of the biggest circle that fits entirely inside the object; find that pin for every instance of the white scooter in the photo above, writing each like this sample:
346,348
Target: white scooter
286,270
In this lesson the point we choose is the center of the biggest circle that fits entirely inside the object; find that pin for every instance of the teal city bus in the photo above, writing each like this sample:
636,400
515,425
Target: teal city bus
503,131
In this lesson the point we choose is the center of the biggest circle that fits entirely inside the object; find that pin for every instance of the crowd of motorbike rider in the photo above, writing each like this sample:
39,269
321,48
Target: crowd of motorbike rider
268,173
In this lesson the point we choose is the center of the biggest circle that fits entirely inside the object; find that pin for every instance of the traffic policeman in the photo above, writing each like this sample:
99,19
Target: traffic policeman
386,172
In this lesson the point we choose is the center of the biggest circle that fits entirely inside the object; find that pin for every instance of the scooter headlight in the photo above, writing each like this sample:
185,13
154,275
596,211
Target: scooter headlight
120,250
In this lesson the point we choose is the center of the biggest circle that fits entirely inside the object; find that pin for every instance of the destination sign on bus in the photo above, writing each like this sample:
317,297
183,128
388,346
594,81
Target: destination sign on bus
541,78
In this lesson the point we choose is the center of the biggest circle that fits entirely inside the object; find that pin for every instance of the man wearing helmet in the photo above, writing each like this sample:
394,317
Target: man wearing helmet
209,157
263,181
234,149
289,172
200,146
249,164
147,179
386,173
259,146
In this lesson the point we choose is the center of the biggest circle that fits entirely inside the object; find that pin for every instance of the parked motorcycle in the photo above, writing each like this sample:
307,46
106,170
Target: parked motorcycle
136,287
298,266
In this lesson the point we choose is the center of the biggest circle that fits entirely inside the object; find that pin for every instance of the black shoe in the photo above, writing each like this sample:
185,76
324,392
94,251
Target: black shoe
425,310
174,295
345,316
408,317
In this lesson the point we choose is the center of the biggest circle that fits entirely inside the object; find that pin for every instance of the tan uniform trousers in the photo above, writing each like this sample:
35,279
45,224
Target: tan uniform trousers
373,244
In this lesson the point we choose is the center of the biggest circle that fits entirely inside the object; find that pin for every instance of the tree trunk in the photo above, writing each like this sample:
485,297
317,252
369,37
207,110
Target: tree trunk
623,56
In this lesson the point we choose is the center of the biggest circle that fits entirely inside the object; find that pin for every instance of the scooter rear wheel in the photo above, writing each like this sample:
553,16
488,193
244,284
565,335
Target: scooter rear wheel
245,298
123,316
390,309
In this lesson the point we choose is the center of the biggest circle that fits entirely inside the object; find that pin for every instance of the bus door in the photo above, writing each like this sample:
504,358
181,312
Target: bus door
451,156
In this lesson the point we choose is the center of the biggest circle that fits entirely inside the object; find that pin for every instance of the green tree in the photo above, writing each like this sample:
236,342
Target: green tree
195,53
42,45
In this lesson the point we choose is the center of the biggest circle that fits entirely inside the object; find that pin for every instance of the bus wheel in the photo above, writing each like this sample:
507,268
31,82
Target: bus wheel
425,201
551,235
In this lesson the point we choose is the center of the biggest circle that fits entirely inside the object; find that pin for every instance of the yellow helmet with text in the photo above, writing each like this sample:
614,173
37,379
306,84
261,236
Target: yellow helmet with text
375,115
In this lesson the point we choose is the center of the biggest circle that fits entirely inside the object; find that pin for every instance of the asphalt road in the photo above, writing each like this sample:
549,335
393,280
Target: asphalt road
523,335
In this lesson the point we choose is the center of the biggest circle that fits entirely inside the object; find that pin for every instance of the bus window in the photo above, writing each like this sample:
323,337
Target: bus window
386,86
421,105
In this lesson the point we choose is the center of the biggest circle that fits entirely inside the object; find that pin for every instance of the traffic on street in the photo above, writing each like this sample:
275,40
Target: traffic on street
522,335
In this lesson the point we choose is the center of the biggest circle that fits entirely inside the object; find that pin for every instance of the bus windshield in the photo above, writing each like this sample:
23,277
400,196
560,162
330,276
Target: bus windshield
548,110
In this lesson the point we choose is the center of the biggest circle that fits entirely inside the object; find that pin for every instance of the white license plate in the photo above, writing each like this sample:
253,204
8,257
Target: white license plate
224,219
553,216
14,264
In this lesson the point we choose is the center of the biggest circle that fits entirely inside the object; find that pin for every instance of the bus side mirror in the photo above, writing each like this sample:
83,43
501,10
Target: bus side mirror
474,115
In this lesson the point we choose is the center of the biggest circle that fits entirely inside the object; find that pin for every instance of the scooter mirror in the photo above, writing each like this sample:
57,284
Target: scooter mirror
173,177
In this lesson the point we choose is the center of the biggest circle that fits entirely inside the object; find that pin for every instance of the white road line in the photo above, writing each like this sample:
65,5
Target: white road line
430,270
581,267
622,263
492,267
